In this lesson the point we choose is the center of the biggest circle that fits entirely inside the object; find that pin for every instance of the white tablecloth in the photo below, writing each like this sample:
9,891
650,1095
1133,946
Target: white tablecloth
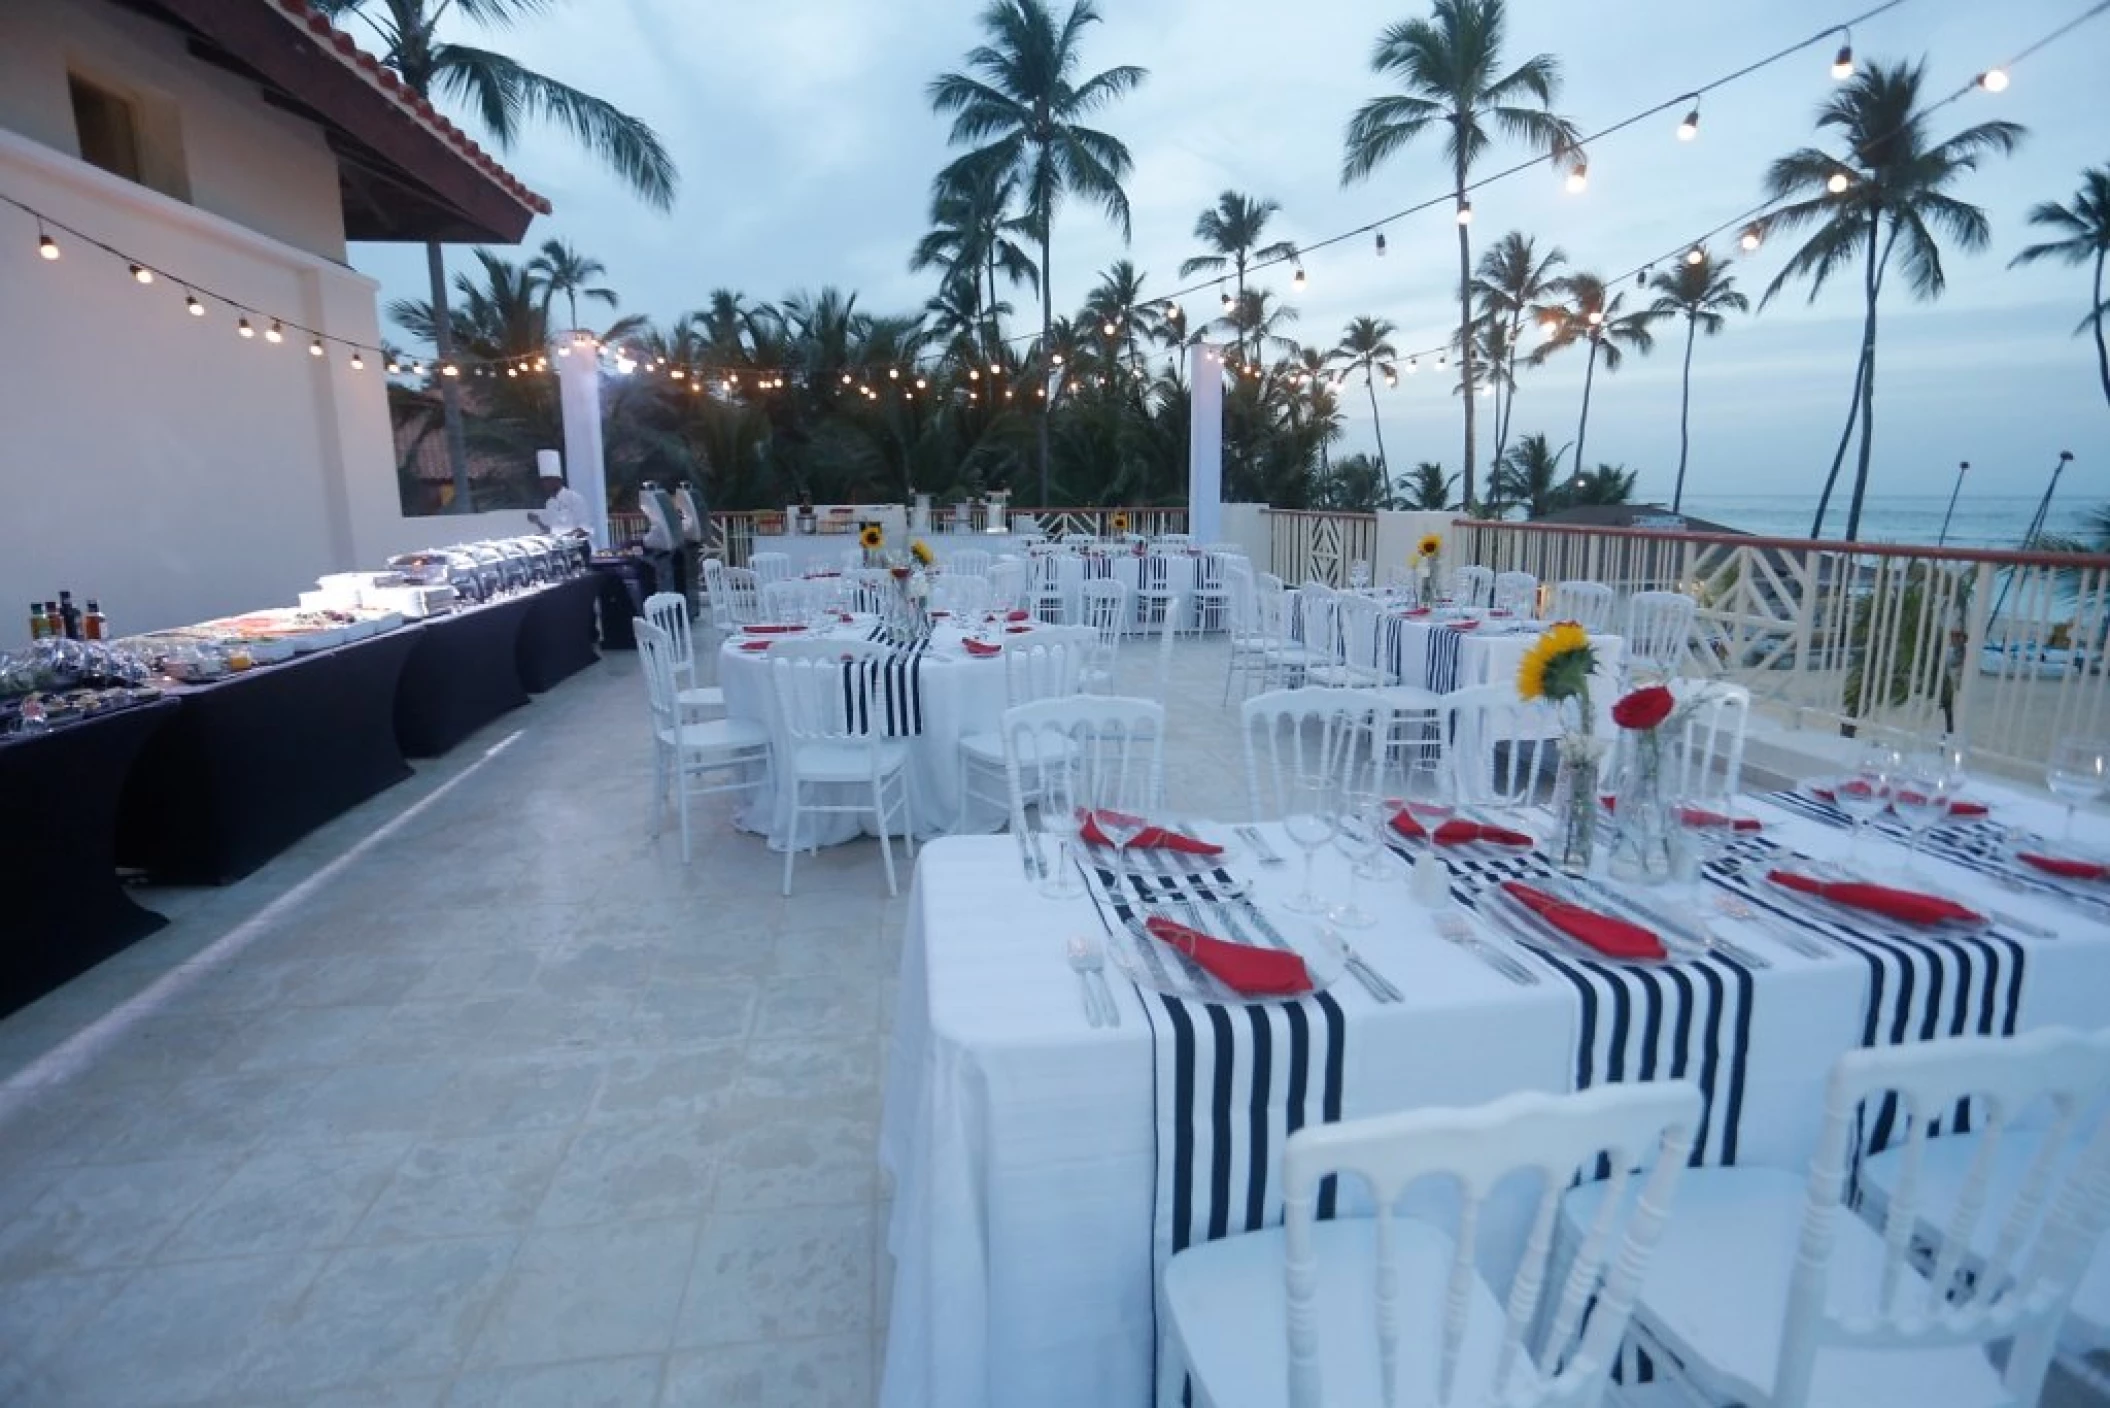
1022,1141
1182,570
825,550
961,694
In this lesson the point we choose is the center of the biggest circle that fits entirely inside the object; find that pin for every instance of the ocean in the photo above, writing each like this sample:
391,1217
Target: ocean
1981,521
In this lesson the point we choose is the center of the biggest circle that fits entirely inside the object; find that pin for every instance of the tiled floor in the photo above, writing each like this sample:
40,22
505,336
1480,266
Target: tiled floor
479,1097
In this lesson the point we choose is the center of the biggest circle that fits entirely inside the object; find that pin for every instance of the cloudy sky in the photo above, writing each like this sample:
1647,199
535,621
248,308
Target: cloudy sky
806,147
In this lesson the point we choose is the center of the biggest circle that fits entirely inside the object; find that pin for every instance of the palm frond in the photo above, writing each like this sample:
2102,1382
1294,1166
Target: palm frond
500,85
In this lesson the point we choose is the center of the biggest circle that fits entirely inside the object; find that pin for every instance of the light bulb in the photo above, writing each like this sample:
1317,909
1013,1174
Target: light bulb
358,362
315,348
1296,280
1690,127
893,373
1227,302
1843,62
1578,178
1488,390
1696,255
47,246
1549,324
512,371
1993,80
1380,244
1412,367
973,374
394,366
417,369
1108,327
1465,212
275,333
1443,359
920,383
563,351
142,274
1837,183
1751,238
846,378
242,327
452,370
193,306
1056,359
1391,379
1596,316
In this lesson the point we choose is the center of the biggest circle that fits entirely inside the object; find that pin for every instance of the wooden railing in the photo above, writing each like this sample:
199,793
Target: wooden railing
736,531
1321,546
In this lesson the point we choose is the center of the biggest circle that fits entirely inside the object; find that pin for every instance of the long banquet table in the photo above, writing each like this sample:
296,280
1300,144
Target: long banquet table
464,673
1035,1157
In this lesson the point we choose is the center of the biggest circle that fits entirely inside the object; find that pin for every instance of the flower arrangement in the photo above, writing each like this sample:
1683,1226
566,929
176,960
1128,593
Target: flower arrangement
1118,523
1557,668
920,550
1425,554
1643,850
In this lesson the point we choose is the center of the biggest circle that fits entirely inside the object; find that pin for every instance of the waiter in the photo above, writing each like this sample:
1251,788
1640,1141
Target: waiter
565,512
663,538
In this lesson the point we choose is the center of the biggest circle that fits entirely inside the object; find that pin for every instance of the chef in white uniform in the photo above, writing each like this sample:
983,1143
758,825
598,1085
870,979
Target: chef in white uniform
566,510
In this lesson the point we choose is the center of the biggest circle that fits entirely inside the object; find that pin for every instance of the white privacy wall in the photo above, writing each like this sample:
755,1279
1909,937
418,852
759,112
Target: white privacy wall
152,460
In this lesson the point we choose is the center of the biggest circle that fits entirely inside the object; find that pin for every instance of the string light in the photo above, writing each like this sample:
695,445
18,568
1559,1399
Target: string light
1690,127
1465,211
1108,327
1413,366
193,306
47,247
1843,61
1296,280
1696,256
893,373
1837,182
315,348
358,362
1227,300
394,366
1993,80
417,369
1391,378
242,328
276,332
1380,244
1578,177
1056,359
450,370
1751,238
142,274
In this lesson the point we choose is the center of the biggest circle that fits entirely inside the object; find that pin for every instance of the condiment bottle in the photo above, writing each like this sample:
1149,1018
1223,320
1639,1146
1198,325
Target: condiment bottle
92,624
69,616
36,621
54,626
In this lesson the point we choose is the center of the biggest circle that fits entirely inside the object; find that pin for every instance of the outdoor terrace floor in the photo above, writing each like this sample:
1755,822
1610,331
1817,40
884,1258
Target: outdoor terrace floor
477,1096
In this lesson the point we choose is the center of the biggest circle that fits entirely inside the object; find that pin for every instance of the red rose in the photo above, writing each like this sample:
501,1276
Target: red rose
1644,708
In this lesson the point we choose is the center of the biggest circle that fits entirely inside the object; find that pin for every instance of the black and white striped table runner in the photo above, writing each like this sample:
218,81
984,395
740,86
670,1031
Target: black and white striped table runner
886,692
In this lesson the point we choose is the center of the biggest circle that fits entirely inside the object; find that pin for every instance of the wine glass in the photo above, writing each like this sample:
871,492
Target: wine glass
1059,818
2079,771
1120,828
1310,823
1864,792
1919,794
1359,835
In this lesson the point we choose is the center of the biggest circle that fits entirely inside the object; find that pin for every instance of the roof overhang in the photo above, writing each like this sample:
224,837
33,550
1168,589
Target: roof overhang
405,172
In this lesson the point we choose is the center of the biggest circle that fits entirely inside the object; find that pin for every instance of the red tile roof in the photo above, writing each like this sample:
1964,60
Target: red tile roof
386,81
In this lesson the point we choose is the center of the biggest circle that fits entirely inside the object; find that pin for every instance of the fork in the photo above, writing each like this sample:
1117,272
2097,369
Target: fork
1080,961
1734,907
1095,964
1452,926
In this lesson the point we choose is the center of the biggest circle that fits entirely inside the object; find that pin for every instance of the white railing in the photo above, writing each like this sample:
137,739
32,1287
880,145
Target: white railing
2005,650
1306,545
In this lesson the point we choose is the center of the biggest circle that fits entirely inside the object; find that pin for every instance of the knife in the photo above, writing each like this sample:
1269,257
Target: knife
1259,844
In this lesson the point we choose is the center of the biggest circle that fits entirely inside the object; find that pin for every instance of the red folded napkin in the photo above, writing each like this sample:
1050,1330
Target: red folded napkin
1416,611
1460,832
1018,616
754,645
1409,825
1826,794
1701,816
982,647
1969,809
1908,905
1500,614
1608,934
1464,625
1016,630
1253,971
1150,838
2065,867
771,630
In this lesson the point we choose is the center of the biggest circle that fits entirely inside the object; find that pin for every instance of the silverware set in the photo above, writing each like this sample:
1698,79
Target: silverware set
1089,961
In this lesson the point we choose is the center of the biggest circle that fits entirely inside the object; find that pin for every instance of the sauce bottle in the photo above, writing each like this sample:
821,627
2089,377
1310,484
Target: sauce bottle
36,621
93,625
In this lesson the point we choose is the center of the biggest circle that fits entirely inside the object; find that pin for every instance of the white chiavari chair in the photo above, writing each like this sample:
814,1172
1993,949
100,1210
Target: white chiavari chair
1049,668
1294,732
1658,633
1391,1308
1007,582
1590,605
684,751
1709,756
1048,601
826,743
1115,748
769,566
1246,661
670,612
1156,595
743,597
1212,593
1516,593
1473,585
718,597
1104,602
968,562
1359,660
1768,1291
1499,750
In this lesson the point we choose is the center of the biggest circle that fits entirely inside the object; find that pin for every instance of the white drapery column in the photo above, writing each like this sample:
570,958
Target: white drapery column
579,390
1205,444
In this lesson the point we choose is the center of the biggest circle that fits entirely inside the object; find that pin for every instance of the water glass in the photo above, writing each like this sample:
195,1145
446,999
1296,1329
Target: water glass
1919,794
1310,824
2079,771
1359,835
1060,818
1703,830
1863,793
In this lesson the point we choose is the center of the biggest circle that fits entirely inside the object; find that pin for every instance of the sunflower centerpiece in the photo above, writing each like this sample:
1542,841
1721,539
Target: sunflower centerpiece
872,538
1557,668
908,615
1427,553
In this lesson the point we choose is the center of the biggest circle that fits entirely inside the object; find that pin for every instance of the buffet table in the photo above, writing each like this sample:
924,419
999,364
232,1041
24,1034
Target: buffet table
66,911
1036,1157
251,763
557,638
464,673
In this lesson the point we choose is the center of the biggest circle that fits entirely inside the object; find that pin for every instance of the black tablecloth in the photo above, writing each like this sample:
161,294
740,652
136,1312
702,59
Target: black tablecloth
557,639
625,583
252,763
464,673
61,908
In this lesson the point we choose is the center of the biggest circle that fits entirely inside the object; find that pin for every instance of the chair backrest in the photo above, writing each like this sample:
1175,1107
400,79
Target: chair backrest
1209,571
670,612
1658,625
1358,621
770,566
812,704
1105,605
961,595
1588,604
655,655
1710,748
1318,623
1154,572
1047,574
1500,749
790,598
1007,581
1046,669
1516,592
2018,1286
967,562
720,598
1226,550
1290,732
743,596
1643,1130
1241,597
1115,744
1474,585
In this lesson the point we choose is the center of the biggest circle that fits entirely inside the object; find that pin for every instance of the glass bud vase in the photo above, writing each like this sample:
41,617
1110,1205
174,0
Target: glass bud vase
1643,845
1575,790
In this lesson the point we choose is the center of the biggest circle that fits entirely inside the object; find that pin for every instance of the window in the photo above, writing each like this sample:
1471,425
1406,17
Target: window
108,128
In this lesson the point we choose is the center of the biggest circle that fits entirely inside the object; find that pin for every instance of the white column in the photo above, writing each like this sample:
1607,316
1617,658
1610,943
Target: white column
579,385
1205,444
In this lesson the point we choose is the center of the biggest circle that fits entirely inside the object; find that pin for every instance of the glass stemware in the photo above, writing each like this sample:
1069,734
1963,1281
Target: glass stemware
1120,828
1310,824
1863,793
1704,830
1059,818
2079,771
1359,835
1919,794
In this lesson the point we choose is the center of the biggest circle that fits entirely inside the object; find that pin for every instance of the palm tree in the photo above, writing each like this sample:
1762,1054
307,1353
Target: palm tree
1606,484
1366,345
1021,109
974,238
1232,230
2086,227
1257,320
1591,314
1529,475
1893,182
560,268
1450,67
504,94
1700,293
1512,280
1429,488
1117,301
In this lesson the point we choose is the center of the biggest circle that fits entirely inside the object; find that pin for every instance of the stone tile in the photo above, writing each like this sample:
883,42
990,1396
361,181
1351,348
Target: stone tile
60,1125
589,1292
689,1014
292,1037
289,1199
38,1314
599,1383
779,1274
475,973
435,1031
813,1067
106,1215
456,1187
817,1006
673,1083
629,1170
376,1314
528,1092
207,1115
359,979
833,1371
181,1330
538,1024
364,1102
811,1152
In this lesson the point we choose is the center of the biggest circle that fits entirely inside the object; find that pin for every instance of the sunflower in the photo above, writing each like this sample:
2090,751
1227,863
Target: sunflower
920,550
1119,523
1429,545
871,537
1558,666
